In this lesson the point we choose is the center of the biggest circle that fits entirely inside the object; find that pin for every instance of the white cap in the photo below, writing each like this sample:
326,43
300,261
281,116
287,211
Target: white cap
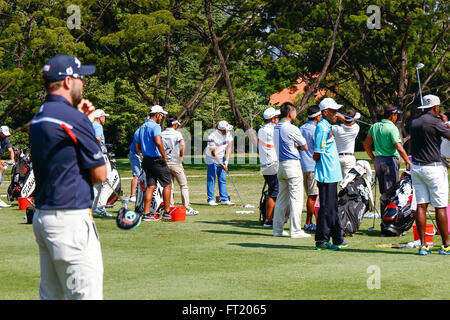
158,109
429,101
174,122
270,112
5,130
223,125
329,103
100,113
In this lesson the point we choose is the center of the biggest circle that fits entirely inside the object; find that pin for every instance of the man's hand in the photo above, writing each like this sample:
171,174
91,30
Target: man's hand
86,107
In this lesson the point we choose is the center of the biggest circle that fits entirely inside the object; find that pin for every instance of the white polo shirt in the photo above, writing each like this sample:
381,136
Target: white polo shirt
445,147
171,141
266,148
345,137
218,141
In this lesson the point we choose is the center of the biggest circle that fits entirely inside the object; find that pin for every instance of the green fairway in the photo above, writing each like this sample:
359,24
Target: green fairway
220,254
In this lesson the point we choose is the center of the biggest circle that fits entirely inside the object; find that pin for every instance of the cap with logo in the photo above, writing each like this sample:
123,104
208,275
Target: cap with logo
5,131
430,100
100,113
157,109
329,103
223,125
270,112
61,66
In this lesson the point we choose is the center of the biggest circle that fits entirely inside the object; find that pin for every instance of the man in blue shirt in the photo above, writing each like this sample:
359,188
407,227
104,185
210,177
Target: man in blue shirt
309,165
287,138
136,163
67,161
154,163
328,174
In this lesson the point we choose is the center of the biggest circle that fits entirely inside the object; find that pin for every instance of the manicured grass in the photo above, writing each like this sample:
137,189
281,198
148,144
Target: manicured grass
220,254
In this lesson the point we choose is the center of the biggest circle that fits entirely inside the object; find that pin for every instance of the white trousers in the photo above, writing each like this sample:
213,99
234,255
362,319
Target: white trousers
430,185
103,190
290,197
347,162
70,255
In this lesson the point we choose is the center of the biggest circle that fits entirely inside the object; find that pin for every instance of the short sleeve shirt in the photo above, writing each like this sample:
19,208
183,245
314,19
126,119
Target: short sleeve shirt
61,166
328,168
285,137
268,159
306,156
345,137
147,133
4,145
218,141
385,135
171,140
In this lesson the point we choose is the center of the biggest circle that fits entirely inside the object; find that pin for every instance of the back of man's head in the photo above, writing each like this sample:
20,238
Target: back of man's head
313,111
285,109
390,110
171,121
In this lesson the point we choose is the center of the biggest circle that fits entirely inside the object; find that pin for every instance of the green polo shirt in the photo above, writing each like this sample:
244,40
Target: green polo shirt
385,135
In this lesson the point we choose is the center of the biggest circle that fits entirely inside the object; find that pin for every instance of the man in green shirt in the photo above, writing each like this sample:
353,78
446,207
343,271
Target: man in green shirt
385,138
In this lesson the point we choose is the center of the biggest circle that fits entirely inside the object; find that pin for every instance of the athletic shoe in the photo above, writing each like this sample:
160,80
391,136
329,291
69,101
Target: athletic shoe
212,203
268,224
283,234
166,216
151,217
444,250
133,199
342,245
424,250
311,227
191,212
227,203
300,234
3,204
326,246
100,211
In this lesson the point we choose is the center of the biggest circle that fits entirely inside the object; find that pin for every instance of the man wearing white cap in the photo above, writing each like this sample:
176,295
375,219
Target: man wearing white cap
429,175
268,160
174,147
4,144
100,194
217,155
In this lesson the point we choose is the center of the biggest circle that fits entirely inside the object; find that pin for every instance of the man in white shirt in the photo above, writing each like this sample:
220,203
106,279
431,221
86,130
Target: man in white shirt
445,145
174,146
345,136
217,155
268,160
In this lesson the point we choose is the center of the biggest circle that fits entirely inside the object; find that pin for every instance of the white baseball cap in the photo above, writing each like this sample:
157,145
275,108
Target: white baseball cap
329,103
100,113
223,125
429,101
158,109
270,112
5,130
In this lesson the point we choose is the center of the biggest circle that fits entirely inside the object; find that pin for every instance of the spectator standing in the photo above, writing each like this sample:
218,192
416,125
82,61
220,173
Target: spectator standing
5,145
135,158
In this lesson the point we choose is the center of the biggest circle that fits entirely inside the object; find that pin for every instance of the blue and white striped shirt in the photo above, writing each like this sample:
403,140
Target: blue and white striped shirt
285,136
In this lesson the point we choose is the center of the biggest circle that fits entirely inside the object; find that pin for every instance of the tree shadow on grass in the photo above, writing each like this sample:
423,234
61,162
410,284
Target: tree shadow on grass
239,233
238,222
312,248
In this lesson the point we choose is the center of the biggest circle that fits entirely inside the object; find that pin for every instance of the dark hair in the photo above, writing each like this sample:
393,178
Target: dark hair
169,121
349,114
389,110
312,110
285,109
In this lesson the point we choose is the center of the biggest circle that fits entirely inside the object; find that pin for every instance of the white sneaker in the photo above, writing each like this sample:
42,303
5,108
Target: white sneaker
3,204
191,212
283,234
300,234
133,199
227,203
212,203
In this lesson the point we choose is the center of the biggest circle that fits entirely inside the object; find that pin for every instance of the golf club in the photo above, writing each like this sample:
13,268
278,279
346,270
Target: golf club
374,207
419,66
245,205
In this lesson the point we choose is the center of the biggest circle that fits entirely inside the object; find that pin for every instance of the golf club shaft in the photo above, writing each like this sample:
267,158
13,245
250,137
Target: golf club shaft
420,89
229,176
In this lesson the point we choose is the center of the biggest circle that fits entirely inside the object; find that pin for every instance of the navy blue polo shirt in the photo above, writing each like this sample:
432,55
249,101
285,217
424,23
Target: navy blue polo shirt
4,145
61,168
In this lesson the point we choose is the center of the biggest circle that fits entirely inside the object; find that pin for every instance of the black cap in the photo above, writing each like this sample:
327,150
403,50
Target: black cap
61,66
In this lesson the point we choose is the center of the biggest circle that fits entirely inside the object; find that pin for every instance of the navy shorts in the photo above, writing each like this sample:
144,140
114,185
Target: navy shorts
156,170
272,182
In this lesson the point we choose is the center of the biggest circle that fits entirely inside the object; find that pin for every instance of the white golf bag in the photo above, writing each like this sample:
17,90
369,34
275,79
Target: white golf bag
23,182
157,200
105,194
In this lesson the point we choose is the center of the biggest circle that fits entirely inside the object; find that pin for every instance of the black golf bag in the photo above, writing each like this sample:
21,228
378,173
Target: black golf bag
115,181
398,216
157,200
262,204
23,182
354,199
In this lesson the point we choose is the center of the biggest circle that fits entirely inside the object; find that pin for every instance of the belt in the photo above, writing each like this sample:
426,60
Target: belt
346,154
435,164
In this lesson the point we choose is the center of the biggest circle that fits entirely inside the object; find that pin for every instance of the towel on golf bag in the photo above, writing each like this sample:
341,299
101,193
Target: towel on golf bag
398,215
355,197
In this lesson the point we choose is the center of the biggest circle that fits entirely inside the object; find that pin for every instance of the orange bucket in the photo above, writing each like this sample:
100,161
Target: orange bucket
429,233
178,214
24,203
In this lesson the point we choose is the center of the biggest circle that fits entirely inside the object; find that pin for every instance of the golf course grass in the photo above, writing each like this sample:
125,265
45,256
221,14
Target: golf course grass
222,255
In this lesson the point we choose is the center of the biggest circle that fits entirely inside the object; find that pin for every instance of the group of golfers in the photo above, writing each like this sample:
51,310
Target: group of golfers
69,158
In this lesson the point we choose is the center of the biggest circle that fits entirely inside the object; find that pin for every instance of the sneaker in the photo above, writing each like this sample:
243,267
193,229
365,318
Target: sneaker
283,234
326,246
312,227
300,234
212,203
151,217
444,250
191,212
342,245
101,212
166,216
268,224
227,203
133,199
3,204
425,250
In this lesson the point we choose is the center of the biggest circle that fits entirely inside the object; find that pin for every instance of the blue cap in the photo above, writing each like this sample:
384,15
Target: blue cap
61,66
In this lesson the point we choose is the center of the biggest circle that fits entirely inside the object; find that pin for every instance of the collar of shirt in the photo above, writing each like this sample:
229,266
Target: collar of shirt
312,123
324,122
387,121
57,98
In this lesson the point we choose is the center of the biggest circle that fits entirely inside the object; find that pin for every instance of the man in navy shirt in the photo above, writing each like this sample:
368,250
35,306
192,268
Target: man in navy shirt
67,161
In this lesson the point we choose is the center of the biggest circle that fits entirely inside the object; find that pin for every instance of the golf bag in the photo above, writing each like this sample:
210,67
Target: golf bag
115,181
157,200
23,182
355,197
398,215
262,204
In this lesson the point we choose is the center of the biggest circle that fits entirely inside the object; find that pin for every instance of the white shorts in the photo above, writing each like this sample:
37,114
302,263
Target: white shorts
430,185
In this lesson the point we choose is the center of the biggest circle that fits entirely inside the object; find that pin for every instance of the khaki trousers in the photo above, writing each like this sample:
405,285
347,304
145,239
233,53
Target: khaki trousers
177,173
290,197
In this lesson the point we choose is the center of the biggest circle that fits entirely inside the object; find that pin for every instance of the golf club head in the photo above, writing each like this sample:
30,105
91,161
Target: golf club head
420,66
370,229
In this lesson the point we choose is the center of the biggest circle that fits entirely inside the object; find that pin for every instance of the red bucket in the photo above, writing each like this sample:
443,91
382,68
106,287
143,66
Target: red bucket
24,203
429,233
178,214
